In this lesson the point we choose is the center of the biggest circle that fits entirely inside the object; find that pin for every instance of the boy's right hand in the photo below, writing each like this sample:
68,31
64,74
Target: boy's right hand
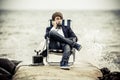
54,24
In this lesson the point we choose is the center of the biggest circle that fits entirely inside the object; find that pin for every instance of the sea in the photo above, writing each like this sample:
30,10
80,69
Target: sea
98,31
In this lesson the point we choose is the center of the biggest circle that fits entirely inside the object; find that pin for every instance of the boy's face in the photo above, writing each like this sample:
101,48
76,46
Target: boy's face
58,20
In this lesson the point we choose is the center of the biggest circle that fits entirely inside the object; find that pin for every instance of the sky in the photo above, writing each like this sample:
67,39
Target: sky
59,4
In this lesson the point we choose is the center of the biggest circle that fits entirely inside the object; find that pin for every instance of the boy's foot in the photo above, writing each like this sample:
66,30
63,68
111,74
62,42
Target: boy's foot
77,46
64,65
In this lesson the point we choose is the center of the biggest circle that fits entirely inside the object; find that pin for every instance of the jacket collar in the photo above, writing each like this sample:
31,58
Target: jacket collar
63,28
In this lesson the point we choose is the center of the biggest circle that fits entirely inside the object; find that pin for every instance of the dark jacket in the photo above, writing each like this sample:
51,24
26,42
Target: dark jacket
68,33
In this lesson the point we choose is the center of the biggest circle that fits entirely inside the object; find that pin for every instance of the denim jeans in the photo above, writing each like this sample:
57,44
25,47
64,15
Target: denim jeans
59,38
59,42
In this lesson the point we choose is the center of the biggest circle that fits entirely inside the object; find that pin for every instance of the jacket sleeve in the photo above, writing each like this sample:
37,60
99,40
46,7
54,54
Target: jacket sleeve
47,32
72,34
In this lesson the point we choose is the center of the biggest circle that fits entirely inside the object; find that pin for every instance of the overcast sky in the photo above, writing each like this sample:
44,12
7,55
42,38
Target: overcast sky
59,4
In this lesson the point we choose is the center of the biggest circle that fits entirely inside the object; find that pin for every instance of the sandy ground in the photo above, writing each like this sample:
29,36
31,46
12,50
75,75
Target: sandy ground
83,71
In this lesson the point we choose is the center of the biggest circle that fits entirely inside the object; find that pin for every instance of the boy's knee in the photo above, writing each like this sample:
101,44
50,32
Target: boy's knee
67,47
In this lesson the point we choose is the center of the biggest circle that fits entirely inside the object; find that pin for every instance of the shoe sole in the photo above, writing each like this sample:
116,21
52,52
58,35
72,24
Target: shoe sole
65,68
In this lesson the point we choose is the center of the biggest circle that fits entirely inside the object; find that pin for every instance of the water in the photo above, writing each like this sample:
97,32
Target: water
98,31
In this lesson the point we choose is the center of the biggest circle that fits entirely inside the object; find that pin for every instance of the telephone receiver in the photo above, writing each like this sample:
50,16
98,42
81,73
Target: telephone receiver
37,52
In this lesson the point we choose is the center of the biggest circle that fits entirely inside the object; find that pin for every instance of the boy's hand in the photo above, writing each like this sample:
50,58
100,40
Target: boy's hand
54,24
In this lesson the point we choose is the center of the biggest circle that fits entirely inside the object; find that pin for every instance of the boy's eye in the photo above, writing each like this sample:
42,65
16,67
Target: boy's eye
58,18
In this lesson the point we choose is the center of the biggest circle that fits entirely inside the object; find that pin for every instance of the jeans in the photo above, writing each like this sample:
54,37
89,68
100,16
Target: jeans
59,42
59,38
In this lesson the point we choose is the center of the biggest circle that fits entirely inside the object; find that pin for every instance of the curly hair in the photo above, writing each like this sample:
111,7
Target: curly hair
57,14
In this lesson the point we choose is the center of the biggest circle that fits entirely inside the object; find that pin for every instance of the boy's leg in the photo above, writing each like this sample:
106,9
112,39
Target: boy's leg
57,37
66,54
